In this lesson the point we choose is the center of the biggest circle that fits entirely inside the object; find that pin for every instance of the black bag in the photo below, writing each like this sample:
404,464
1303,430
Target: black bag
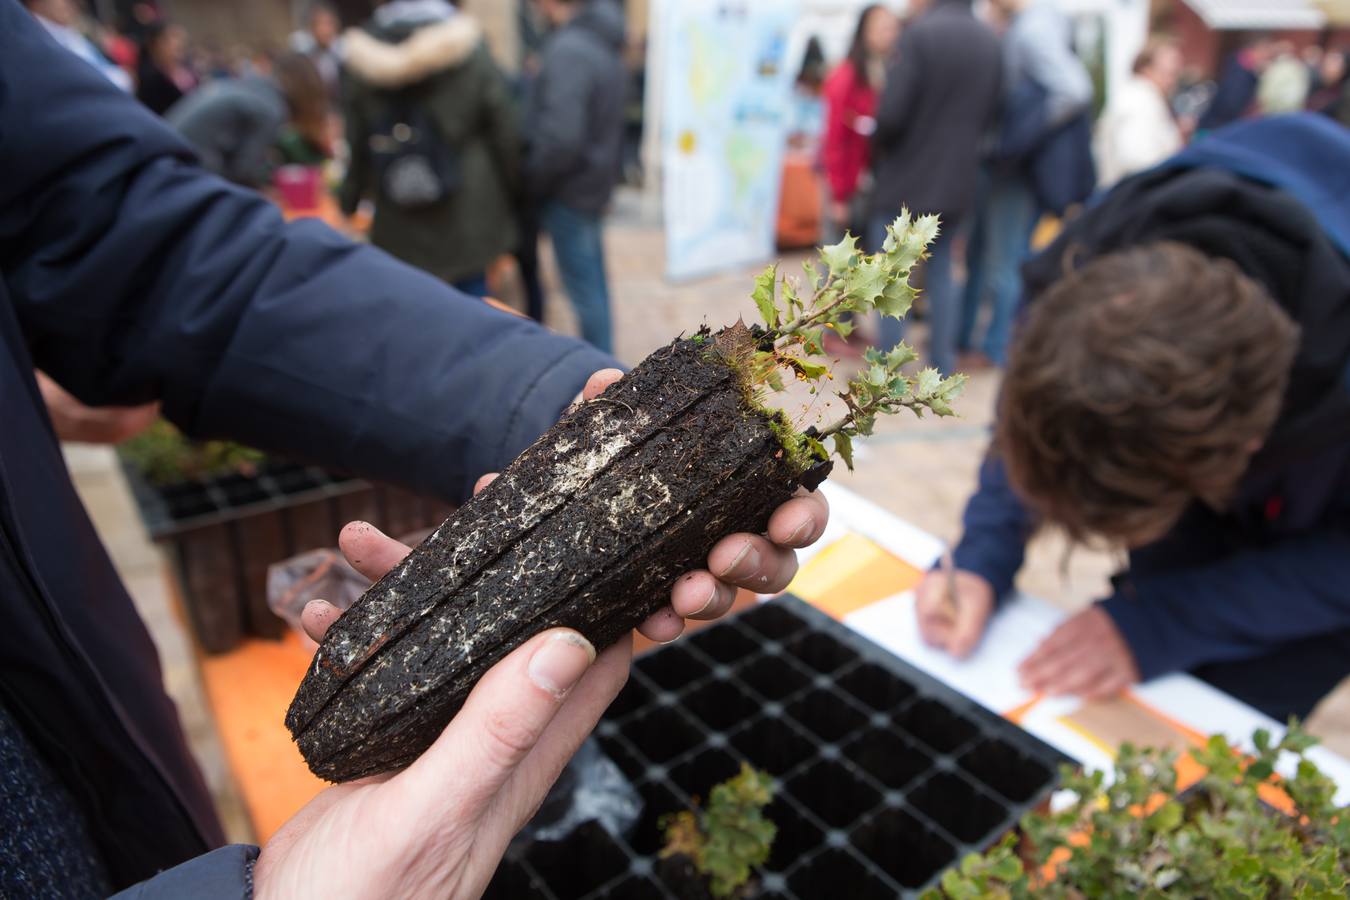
415,166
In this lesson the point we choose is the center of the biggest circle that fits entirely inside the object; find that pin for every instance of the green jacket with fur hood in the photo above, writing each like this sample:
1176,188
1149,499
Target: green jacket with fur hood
432,55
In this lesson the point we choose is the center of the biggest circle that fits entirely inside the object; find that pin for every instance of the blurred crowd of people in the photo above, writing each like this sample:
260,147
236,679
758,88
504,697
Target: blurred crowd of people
456,164
994,124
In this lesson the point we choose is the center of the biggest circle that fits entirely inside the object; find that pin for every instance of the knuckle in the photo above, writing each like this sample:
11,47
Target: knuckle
508,737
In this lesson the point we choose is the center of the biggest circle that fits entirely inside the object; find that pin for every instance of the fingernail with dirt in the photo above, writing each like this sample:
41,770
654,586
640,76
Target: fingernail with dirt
560,662
745,563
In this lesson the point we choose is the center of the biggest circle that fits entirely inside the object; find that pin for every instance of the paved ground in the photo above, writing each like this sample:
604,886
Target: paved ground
920,470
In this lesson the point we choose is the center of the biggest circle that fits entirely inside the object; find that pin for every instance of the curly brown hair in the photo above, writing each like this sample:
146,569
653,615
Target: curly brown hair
1138,384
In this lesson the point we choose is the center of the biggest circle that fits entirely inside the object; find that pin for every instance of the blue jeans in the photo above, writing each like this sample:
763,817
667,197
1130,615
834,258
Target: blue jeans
580,250
999,245
939,288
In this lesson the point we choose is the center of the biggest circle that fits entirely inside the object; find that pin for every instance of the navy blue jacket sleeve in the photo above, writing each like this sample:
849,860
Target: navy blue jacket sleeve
224,874
997,527
137,276
1238,608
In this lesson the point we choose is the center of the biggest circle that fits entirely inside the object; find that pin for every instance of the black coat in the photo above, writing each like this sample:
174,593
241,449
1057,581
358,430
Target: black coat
129,274
941,96
574,121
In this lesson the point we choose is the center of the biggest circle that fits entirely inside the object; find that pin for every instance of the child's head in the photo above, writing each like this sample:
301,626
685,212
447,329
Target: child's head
1138,384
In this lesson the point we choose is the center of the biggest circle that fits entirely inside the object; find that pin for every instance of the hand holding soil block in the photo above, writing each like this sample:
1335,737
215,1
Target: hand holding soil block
590,527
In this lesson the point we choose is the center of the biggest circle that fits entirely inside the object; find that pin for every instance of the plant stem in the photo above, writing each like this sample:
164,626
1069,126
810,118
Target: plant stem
807,319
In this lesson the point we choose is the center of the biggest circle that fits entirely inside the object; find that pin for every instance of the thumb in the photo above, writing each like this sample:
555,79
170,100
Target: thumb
498,726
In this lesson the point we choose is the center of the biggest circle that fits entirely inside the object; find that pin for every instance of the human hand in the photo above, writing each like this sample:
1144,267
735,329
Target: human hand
839,214
1085,657
764,564
953,624
439,828
73,421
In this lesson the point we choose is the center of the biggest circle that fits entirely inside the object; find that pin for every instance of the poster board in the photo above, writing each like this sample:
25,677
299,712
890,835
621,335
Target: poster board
726,91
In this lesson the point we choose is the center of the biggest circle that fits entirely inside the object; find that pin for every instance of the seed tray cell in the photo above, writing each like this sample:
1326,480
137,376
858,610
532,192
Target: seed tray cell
885,778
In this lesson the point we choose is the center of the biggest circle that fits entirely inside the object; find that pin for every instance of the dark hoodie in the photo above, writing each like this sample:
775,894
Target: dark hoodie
1253,599
575,119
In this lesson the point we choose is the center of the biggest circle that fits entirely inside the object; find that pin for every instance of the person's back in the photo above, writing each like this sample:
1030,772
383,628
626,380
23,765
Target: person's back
940,97
575,155
233,123
425,68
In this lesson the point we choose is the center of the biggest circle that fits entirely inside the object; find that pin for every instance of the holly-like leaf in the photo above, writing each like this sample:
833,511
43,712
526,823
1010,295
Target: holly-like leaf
866,282
897,298
841,257
843,446
764,298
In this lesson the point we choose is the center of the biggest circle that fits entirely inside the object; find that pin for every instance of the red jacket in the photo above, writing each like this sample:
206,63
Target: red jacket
846,152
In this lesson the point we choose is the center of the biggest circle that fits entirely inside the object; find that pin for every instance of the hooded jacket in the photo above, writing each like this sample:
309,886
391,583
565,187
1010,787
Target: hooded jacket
1253,599
129,274
575,112
428,55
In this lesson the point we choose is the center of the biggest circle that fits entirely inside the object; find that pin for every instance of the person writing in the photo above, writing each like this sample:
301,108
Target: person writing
129,275
1178,388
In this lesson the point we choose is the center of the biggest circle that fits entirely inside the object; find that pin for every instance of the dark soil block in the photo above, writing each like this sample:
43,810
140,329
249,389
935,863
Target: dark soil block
587,529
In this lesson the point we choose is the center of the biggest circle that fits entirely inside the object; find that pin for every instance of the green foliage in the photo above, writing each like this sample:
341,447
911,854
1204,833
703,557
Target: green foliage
164,456
730,837
850,282
1135,838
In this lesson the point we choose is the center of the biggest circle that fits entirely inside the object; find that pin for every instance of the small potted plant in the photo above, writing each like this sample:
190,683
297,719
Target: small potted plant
714,852
1137,838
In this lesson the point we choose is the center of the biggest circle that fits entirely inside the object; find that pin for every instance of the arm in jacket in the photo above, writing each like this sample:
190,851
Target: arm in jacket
1238,608
1047,52
558,131
996,528
137,276
896,104
224,874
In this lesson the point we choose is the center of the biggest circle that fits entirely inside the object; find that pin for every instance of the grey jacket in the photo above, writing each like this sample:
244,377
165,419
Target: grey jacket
233,124
942,92
575,118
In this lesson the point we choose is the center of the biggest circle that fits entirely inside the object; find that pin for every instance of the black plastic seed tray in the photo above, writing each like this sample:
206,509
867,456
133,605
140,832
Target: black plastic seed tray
885,777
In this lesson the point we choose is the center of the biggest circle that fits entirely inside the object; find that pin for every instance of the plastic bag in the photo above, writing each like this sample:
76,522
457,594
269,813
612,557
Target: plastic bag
316,575
590,789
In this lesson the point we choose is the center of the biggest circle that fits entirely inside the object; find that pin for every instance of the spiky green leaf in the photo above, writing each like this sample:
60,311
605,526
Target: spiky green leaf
764,297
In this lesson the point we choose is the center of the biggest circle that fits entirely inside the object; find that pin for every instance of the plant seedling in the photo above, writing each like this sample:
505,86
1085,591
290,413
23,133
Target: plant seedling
591,525
1136,838
730,838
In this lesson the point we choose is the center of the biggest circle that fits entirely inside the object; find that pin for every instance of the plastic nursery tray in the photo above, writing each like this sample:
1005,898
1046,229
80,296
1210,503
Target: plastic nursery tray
225,532
885,777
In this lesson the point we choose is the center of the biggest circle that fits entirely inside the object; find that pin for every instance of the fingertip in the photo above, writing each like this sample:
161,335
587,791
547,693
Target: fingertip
599,382
482,483
663,627
317,617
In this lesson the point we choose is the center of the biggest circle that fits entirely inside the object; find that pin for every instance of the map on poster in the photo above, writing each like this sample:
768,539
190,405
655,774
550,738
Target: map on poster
726,106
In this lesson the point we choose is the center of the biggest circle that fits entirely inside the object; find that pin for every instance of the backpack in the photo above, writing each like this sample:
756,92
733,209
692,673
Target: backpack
414,165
